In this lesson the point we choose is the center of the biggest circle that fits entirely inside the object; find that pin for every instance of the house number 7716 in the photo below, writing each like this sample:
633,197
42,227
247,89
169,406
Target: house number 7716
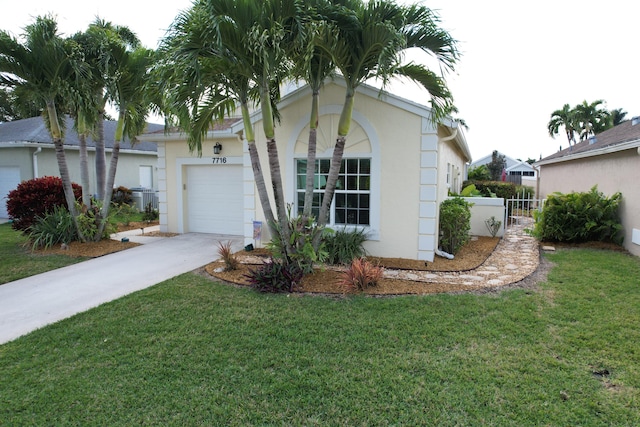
219,160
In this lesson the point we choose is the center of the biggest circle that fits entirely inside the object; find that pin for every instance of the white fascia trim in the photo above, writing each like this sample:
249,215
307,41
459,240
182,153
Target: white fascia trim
26,144
592,153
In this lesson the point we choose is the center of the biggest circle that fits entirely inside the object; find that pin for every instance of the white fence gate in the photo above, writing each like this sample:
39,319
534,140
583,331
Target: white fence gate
519,213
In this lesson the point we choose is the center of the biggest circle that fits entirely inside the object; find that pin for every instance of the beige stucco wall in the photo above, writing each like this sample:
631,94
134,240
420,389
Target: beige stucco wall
611,173
174,157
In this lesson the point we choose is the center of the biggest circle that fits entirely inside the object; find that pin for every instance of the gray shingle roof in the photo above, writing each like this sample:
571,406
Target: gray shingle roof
34,130
624,132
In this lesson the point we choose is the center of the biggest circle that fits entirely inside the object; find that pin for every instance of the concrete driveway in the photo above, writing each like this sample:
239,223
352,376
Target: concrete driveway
33,302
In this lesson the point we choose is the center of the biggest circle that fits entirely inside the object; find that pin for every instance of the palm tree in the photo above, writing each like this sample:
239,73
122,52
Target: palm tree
237,49
41,69
592,118
366,40
564,117
617,116
128,94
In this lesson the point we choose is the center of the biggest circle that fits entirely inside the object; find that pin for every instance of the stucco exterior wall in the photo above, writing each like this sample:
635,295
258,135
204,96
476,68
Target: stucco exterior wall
611,173
19,157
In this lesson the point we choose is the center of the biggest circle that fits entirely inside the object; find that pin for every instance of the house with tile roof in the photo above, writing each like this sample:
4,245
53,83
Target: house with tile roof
610,160
27,152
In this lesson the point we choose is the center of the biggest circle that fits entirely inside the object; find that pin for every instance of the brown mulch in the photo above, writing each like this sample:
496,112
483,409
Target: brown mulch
327,280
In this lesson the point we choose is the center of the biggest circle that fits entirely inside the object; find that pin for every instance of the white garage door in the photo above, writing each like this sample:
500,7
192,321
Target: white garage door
9,180
215,199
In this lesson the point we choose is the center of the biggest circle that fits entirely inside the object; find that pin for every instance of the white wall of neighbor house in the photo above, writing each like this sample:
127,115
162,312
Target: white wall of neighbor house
611,173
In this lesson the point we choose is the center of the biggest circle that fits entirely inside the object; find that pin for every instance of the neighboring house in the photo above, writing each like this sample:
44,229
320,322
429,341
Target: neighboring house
522,172
398,168
610,160
27,151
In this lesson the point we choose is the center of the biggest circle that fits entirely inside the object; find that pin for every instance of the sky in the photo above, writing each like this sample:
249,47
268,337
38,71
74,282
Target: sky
520,60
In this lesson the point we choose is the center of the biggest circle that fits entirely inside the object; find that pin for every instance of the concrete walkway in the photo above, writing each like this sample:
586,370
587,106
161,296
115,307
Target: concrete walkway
36,301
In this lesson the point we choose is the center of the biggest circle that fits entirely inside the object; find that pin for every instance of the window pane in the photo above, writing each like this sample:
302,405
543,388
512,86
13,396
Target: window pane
352,216
364,182
324,165
302,166
352,166
365,166
364,201
364,217
300,202
302,182
340,216
340,200
352,200
352,182
323,181
340,183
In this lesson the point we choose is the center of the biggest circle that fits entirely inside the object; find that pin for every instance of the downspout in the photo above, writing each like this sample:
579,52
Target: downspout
35,162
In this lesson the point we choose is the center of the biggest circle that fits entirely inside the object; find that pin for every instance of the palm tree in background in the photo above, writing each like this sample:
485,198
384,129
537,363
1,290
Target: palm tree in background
617,116
592,118
565,118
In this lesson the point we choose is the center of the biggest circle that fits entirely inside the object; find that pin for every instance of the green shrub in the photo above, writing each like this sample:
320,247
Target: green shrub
360,275
303,233
275,276
150,214
479,173
52,228
505,190
344,246
470,191
124,213
455,223
580,217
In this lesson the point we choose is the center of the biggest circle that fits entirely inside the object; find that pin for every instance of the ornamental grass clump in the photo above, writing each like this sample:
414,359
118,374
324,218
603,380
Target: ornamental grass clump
361,275
226,254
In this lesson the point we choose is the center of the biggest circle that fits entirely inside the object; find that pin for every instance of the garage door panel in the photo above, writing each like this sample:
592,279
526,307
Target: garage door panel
215,199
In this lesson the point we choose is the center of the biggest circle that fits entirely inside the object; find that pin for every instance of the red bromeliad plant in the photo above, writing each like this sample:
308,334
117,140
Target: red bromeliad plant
361,274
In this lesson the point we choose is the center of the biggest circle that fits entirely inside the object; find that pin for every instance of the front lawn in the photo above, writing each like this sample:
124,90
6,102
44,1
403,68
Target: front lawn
190,351
17,261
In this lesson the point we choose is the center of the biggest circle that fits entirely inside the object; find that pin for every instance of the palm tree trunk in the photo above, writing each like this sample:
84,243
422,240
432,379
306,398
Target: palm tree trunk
101,163
311,155
84,160
113,167
56,134
343,129
258,176
274,168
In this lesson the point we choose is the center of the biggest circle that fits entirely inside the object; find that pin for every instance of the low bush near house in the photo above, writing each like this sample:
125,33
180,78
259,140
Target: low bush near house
35,198
580,217
344,246
505,190
275,276
124,213
150,214
455,223
360,275
226,254
52,228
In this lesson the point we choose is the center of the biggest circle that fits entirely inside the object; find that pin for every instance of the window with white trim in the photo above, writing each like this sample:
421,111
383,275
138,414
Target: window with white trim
352,198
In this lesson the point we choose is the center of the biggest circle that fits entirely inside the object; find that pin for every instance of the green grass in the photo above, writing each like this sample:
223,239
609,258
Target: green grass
17,261
194,352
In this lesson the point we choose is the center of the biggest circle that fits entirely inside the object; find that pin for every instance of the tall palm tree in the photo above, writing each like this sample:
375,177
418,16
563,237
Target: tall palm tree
592,118
565,118
617,116
41,68
366,40
128,93
245,43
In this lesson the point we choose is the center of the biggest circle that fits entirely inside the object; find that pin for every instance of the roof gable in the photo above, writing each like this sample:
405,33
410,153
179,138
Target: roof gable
618,137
